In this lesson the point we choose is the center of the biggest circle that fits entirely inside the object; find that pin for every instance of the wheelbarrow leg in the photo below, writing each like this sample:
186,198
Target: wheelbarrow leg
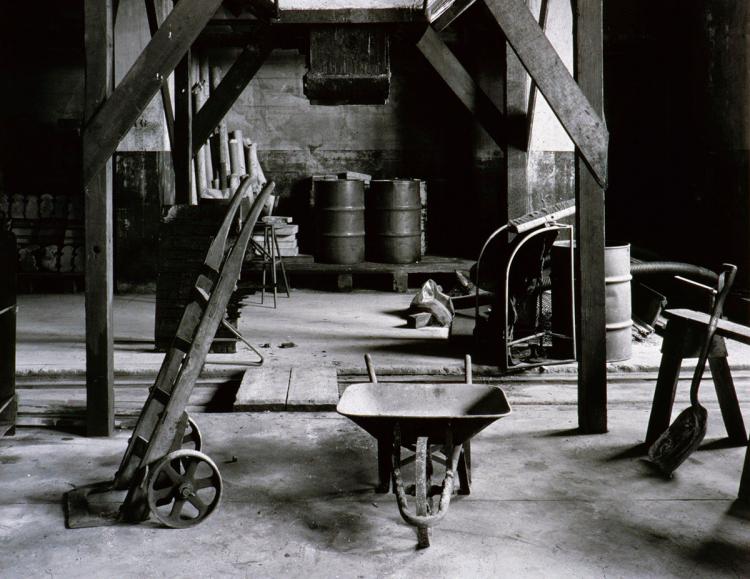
464,470
385,465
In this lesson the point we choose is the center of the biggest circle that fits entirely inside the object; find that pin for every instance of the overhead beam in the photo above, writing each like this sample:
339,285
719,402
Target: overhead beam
441,13
463,86
579,118
99,47
158,60
231,86
589,272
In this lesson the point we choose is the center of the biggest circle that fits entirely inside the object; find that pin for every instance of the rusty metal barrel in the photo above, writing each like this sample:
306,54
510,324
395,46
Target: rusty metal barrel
617,300
618,307
340,221
394,226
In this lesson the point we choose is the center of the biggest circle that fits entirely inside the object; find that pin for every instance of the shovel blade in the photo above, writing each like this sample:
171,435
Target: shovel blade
679,441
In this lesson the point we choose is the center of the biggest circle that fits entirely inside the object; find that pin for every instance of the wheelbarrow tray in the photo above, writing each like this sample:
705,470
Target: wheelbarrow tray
423,409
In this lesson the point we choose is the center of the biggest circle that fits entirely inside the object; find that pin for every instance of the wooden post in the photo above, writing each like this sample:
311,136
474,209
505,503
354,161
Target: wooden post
99,30
182,151
592,366
515,151
8,401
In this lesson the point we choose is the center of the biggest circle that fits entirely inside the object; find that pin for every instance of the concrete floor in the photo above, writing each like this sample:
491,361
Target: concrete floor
325,329
299,502
299,497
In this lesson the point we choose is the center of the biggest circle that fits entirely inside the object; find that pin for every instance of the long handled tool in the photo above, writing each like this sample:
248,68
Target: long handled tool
685,434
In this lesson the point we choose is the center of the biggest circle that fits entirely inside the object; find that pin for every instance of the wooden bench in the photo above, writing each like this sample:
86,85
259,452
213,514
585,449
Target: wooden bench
684,333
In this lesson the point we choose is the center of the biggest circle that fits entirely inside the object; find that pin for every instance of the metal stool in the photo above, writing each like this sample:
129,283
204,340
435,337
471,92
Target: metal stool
270,254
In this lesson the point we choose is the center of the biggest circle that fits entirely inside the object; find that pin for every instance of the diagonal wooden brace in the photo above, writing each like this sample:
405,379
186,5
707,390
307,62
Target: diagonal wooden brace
113,120
574,111
463,86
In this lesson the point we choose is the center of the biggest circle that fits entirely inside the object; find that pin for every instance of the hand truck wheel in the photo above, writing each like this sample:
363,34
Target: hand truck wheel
183,488
192,439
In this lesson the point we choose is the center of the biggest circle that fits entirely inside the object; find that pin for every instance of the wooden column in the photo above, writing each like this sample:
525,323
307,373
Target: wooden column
8,263
592,367
516,157
182,148
99,31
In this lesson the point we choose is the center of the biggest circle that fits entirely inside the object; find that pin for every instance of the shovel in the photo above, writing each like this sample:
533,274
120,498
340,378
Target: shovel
687,432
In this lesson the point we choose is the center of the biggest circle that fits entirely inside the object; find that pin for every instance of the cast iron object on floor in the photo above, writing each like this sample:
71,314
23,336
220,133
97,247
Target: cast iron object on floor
427,418
685,434
160,474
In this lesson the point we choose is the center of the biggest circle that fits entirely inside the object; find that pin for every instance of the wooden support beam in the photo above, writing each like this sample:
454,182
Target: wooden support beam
543,13
589,274
158,60
8,399
441,13
463,86
231,86
99,46
516,157
182,150
166,97
578,117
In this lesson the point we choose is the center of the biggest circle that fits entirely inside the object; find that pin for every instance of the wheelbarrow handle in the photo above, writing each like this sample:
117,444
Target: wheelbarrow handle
8,309
370,368
423,521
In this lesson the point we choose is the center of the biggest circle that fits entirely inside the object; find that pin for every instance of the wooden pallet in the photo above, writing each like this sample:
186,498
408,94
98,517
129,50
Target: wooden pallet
399,273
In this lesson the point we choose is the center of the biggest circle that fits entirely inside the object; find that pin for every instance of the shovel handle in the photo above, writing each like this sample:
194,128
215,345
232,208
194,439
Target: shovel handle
726,279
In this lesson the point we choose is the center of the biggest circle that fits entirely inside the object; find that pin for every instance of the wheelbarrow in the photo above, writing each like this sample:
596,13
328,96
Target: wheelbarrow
429,419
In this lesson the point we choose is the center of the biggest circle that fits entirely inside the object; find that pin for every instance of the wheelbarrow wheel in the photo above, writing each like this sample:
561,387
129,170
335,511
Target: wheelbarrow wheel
183,488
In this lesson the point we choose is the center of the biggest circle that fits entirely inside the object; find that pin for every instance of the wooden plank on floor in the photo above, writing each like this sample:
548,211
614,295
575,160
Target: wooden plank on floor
263,389
313,389
577,114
